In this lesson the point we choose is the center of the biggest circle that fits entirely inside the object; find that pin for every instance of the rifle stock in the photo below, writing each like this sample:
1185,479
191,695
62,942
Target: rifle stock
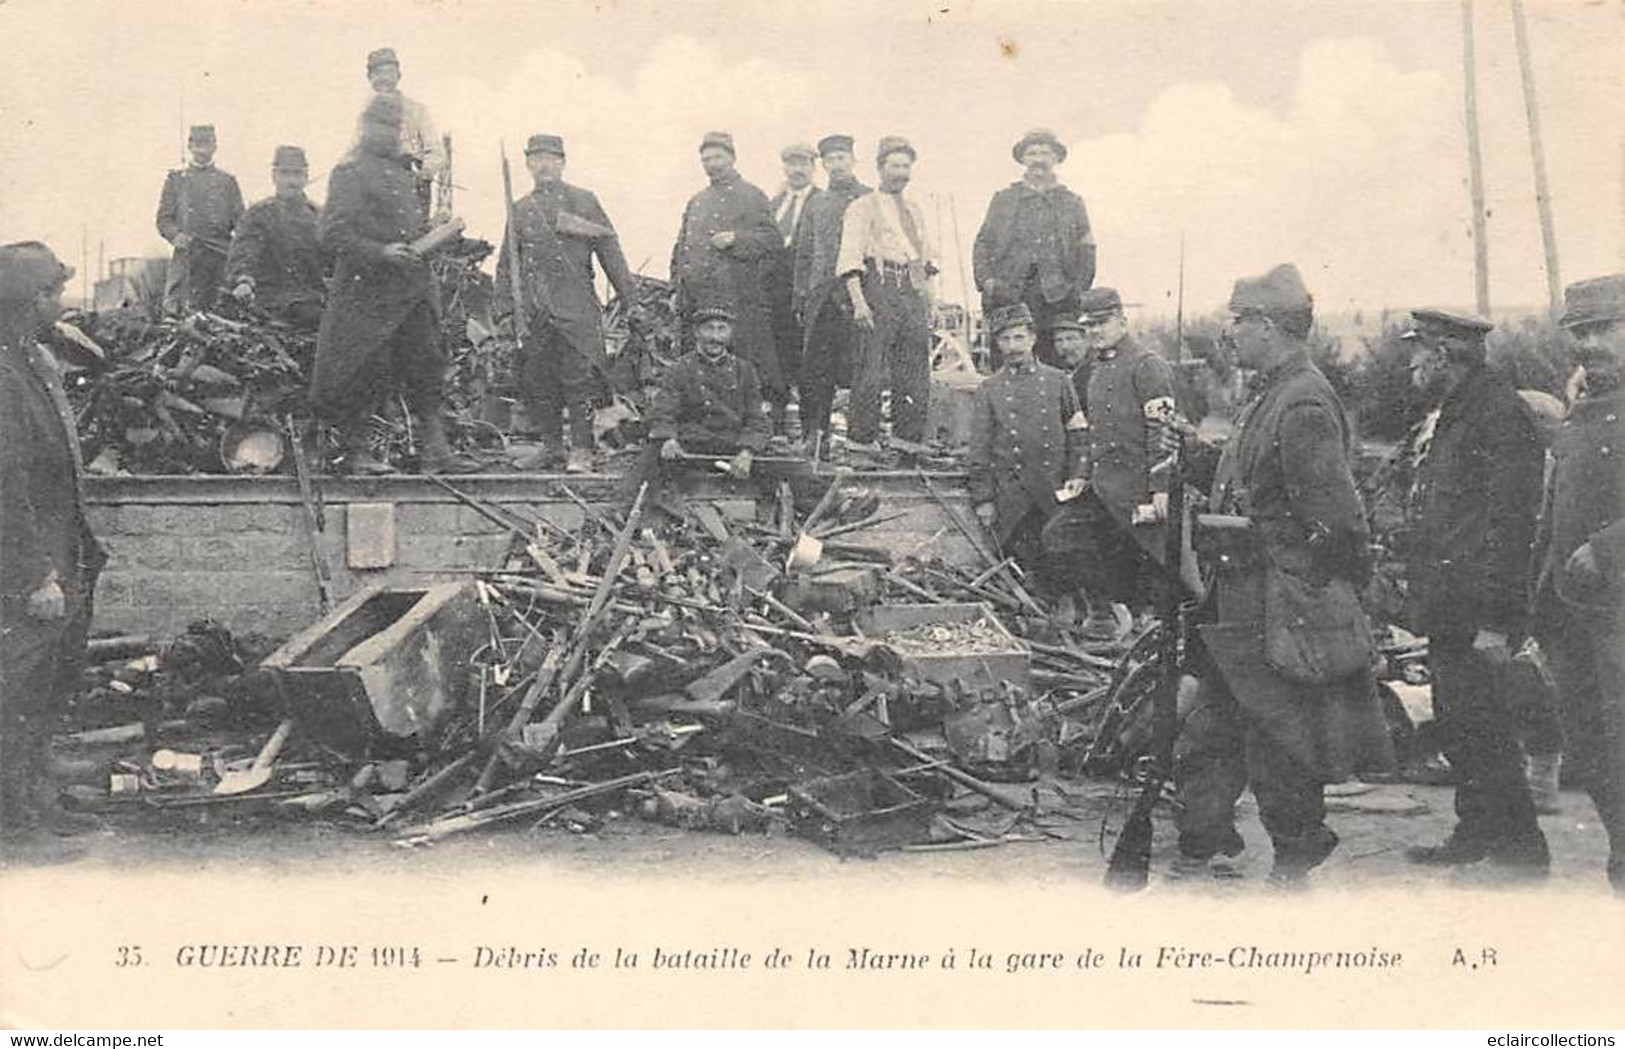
516,283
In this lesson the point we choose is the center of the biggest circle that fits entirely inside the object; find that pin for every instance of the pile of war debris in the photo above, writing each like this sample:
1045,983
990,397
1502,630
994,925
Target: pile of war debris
730,673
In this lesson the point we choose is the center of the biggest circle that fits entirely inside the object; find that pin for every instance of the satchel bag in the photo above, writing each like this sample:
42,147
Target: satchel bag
1314,635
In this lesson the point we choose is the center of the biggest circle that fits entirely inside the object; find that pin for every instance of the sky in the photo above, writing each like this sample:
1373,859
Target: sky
1324,132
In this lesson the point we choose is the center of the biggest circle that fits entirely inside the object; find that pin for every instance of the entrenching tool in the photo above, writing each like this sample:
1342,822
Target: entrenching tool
241,781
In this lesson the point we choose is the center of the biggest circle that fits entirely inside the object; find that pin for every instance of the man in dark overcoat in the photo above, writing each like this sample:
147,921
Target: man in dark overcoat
49,559
727,235
197,212
379,330
1287,470
1476,494
562,228
790,207
819,300
1579,601
276,256
1035,245
1028,444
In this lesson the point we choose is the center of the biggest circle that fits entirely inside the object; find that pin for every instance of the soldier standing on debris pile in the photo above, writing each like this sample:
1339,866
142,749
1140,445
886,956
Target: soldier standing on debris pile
562,228
49,559
1109,556
421,149
1035,245
887,261
1477,491
1289,704
820,301
1028,441
379,328
197,212
1579,604
709,404
276,258
790,210
726,235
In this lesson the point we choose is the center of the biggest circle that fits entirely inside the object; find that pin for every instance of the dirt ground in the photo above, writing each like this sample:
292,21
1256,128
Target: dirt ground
1371,854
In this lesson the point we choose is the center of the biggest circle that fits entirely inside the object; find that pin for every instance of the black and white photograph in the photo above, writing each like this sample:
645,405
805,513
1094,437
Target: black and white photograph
737,514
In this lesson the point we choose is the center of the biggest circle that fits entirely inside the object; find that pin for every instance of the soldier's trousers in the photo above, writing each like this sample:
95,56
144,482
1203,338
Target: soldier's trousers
898,347
409,359
668,479
1047,572
1479,733
555,372
1587,660
1090,548
39,669
788,337
1221,752
192,279
826,362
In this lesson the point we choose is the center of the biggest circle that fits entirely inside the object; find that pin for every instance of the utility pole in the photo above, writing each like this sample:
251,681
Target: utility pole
1543,197
1475,161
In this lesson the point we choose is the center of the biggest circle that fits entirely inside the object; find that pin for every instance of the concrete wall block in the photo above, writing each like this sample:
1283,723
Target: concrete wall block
427,518
246,553
159,552
278,518
450,552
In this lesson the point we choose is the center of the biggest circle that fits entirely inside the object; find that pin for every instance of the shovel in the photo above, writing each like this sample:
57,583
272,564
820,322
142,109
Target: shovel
241,781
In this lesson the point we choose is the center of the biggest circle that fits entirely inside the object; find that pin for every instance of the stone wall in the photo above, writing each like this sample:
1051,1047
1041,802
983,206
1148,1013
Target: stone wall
235,549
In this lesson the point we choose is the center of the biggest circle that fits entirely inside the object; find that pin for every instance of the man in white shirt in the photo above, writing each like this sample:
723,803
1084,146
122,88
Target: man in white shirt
421,147
887,261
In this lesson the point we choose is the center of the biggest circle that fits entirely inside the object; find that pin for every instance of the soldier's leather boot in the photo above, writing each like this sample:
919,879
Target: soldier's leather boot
580,461
438,458
45,794
548,455
358,458
1525,856
1295,859
1455,851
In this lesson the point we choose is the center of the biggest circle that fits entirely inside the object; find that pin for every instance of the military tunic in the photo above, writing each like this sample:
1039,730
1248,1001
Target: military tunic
380,320
1035,246
731,277
1027,438
205,203
562,229
709,407
277,248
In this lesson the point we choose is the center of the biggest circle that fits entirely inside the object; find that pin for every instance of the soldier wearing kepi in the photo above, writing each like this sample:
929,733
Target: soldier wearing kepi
790,208
887,261
1579,609
197,212
1289,705
1035,245
727,234
1028,442
379,329
1477,493
276,257
562,228
48,558
422,151
1118,381
820,301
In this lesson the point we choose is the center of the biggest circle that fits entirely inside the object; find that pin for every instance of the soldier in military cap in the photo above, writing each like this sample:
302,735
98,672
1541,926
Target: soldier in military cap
422,150
1028,444
1579,603
1035,245
1117,380
726,238
1476,493
197,212
820,300
791,206
49,559
888,261
1260,720
276,259
562,229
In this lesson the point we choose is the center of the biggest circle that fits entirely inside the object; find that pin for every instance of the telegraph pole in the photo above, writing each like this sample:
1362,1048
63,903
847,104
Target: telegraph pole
1475,162
1543,198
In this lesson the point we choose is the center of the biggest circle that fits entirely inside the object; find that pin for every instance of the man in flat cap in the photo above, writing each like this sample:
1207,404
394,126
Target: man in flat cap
726,238
276,258
48,557
1579,603
422,150
379,330
1475,494
562,228
1035,245
888,263
1122,387
1028,446
820,300
709,404
1289,704
197,212
790,207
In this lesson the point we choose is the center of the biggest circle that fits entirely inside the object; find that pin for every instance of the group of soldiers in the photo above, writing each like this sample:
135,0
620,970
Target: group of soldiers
1073,437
